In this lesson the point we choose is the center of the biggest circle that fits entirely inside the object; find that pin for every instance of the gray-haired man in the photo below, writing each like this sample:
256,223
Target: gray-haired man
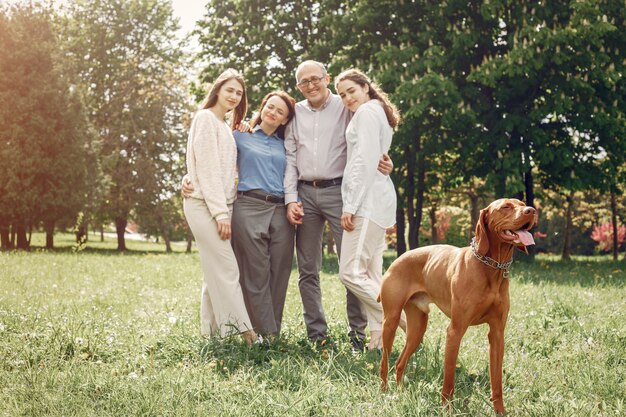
316,158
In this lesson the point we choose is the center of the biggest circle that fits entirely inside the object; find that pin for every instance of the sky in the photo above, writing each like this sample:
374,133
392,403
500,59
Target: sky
188,11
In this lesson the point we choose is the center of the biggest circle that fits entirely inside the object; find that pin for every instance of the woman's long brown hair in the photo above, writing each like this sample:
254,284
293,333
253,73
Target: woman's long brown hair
239,112
375,92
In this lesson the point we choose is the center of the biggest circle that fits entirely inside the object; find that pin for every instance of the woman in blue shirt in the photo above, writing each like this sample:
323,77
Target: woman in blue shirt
262,237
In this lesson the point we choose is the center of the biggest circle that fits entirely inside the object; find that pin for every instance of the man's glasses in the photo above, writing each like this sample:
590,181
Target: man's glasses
313,81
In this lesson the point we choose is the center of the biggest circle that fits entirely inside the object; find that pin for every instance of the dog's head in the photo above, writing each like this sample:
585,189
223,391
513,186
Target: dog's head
507,221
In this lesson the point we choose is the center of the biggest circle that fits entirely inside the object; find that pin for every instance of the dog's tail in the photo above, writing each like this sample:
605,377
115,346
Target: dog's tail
378,298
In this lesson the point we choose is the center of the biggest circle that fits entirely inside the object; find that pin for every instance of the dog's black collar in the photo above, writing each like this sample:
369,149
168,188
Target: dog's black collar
490,261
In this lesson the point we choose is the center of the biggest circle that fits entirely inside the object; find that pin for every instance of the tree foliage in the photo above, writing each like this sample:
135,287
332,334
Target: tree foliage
128,58
46,140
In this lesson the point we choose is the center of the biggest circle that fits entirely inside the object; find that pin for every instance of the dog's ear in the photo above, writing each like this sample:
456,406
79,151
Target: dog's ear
482,238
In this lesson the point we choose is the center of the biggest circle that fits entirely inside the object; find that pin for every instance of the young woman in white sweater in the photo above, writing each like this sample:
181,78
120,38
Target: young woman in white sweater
212,167
369,197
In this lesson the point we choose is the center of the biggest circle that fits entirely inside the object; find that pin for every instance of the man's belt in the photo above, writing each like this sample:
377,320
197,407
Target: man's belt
322,183
260,195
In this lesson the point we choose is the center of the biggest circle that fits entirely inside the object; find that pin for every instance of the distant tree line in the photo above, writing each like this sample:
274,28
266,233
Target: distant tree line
499,98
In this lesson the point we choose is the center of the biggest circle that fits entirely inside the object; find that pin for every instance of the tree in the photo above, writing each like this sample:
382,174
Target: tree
263,39
127,57
45,136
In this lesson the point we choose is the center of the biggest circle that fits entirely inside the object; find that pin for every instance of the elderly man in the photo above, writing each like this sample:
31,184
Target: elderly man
316,158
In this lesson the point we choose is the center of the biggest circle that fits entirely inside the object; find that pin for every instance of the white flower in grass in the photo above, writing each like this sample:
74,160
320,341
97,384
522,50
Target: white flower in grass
133,375
172,318
79,341
2,327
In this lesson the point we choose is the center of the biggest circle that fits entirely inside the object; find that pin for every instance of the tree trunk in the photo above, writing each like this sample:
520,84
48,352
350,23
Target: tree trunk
419,200
120,228
80,230
400,229
102,233
330,241
20,233
614,221
568,228
13,234
165,232
48,226
432,213
530,201
474,214
168,244
5,236
410,193
189,240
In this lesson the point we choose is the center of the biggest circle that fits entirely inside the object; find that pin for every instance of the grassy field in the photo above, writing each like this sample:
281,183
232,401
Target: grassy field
97,333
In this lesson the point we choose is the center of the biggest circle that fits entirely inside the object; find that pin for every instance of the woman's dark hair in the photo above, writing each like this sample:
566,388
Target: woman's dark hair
239,112
291,106
375,92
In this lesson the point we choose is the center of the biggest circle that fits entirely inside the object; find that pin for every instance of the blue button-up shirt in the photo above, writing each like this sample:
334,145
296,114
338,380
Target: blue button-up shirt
261,160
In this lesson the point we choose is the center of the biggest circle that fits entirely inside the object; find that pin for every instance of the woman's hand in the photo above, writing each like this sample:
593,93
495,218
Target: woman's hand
385,165
346,222
243,127
187,187
223,229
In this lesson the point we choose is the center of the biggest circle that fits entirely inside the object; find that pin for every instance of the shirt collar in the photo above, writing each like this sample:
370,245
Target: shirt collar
323,106
258,129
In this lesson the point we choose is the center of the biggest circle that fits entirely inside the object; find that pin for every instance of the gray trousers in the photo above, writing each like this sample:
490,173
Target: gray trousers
321,204
263,242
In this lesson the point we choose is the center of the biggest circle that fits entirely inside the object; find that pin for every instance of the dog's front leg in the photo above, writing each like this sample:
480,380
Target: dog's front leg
455,333
496,357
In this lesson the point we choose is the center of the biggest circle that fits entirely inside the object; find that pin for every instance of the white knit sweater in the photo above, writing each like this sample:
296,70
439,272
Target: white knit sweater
212,163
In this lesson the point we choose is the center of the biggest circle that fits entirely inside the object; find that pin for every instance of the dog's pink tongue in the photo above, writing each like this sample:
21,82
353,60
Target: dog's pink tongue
525,237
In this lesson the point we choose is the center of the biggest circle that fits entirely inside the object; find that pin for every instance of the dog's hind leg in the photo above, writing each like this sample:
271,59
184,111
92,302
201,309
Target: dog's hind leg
390,325
416,323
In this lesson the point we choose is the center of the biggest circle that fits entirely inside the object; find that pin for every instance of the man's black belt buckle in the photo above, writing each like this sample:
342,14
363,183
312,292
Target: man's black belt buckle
268,198
323,183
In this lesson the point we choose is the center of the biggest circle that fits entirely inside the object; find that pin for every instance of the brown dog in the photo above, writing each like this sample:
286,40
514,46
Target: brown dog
470,285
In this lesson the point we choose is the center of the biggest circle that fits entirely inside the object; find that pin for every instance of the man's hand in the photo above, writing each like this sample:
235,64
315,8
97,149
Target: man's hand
243,127
295,213
223,229
385,165
346,222
187,187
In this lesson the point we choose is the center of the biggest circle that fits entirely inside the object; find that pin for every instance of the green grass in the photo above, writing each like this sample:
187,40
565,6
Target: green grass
92,334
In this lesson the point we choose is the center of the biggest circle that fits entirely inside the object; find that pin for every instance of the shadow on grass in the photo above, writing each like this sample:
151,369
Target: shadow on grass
286,361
